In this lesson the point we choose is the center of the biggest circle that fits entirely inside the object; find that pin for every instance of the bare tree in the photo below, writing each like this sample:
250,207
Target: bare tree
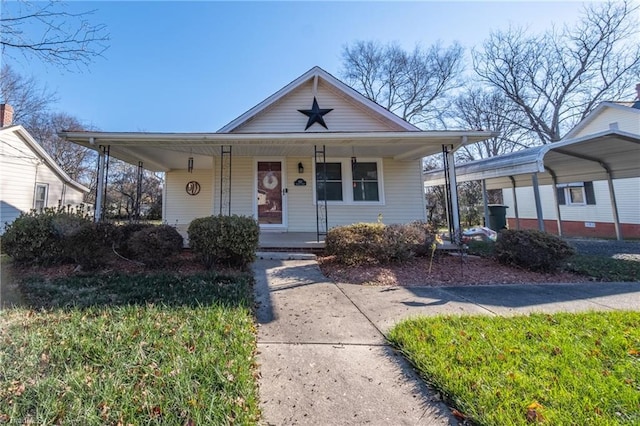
77,161
490,110
27,97
556,78
49,32
415,85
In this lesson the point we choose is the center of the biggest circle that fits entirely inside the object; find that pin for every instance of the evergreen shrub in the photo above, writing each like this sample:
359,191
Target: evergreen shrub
532,249
153,245
229,240
377,243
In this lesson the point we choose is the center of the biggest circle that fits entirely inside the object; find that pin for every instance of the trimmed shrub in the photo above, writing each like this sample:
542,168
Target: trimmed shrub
378,244
153,245
37,238
356,244
532,249
230,240
486,249
87,245
122,235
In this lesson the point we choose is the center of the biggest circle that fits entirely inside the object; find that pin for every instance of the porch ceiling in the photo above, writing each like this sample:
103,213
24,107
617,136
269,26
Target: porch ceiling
167,151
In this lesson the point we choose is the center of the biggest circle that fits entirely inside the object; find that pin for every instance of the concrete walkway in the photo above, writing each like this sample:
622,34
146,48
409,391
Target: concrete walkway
322,352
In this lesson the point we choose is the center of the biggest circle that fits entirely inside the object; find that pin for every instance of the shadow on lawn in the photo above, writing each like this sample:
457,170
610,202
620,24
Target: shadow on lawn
168,289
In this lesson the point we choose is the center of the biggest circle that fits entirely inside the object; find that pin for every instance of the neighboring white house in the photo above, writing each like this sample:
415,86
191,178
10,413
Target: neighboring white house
585,206
29,177
315,140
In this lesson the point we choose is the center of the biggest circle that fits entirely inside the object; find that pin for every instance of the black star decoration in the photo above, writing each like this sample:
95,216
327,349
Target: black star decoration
315,114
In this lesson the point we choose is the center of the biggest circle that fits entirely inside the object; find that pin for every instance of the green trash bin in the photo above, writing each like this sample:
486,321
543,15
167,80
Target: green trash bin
497,216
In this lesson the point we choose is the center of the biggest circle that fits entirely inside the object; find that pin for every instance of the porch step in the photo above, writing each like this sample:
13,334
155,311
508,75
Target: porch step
279,255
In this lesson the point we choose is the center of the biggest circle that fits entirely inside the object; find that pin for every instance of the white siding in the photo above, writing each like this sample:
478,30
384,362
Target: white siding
626,119
347,115
20,170
402,189
402,194
627,198
181,208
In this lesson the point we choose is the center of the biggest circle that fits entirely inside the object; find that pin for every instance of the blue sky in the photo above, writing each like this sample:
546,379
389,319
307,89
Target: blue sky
195,66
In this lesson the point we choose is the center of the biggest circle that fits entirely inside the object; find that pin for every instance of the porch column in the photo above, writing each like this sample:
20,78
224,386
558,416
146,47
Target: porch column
515,201
97,214
485,203
536,196
453,193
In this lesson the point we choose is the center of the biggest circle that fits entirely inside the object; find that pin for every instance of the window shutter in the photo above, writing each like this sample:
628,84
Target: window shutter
590,193
561,199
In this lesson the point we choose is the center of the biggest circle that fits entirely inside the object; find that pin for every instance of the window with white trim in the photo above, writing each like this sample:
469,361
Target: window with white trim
576,194
349,182
40,199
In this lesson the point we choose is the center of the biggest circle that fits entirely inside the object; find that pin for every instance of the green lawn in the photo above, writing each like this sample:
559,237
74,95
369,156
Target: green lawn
577,369
156,349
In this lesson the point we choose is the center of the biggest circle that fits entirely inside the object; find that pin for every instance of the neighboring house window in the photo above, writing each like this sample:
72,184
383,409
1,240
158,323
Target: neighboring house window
41,196
576,194
350,183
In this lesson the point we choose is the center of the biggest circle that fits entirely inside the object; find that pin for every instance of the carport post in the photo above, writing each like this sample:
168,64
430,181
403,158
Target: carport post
614,207
97,214
555,199
536,196
515,201
485,202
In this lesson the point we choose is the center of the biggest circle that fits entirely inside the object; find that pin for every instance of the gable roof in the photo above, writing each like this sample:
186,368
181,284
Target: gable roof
314,74
593,115
24,136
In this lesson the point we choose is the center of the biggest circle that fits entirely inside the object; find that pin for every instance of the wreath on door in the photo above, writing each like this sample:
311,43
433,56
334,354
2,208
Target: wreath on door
270,181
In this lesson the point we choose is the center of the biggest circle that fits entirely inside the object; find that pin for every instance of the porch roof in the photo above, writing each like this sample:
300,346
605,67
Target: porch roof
167,151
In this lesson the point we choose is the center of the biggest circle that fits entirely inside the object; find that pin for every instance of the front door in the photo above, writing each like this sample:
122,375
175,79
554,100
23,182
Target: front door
270,194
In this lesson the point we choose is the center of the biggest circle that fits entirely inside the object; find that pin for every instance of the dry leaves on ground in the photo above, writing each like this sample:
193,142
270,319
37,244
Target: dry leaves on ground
447,270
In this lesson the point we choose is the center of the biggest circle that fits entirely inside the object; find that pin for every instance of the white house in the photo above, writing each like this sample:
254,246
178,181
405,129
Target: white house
313,155
29,177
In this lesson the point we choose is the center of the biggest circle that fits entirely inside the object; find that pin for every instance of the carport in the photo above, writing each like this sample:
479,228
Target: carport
608,155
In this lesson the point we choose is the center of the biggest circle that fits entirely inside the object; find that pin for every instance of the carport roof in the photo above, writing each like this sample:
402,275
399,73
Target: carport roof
573,160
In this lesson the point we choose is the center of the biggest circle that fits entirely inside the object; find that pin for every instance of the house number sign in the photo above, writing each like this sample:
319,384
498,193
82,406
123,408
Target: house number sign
193,188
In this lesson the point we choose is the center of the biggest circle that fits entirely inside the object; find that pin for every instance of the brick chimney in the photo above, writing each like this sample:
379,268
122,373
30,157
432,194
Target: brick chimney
636,104
6,115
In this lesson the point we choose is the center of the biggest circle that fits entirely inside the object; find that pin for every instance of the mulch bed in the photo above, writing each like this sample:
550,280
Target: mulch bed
447,270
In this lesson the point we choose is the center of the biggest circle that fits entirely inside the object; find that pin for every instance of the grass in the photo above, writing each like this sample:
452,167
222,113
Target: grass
604,268
599,268
552,369
157,349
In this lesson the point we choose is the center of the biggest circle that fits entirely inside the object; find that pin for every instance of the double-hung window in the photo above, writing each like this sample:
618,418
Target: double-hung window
349,182
365,181
40,199
576,194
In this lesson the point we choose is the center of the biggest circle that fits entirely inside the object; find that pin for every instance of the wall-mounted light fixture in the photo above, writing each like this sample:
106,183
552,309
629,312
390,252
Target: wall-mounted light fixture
190,165
354,161
300,168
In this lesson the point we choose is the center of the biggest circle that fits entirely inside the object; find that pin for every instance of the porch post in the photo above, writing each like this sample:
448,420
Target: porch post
97,214
485,202
614,206
536,196
515,201
453,193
